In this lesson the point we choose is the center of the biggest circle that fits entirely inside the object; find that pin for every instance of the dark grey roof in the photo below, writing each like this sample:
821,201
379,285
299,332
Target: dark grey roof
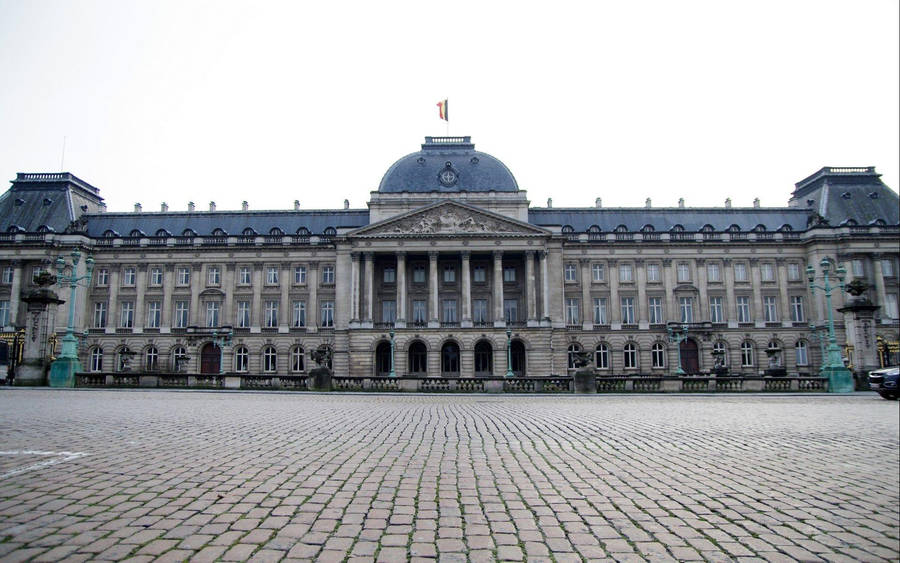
232,222
474,171
45,200
844,195
663,219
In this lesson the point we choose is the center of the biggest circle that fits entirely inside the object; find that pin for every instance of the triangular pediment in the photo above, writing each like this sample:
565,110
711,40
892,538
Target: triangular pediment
448,218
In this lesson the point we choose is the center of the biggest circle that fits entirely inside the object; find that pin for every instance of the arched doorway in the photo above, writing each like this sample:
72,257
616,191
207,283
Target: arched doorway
690,357
517,357
417,358
450,359
210,358
383,359
484,358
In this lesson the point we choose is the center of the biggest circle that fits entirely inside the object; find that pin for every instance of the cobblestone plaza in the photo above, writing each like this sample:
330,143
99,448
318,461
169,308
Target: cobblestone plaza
168,476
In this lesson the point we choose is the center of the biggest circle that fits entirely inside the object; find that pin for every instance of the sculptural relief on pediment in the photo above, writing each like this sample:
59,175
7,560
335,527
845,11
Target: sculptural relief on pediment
449,220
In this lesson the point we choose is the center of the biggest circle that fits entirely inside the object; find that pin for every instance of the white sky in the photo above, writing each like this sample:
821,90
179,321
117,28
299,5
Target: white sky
271,102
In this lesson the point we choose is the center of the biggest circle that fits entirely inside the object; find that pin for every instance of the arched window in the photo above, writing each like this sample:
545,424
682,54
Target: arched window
97,359
648,229
801,351
123,359
248,232
621,229
241,359
629,356
594,232
329,233
658,355
44,229
151,359
179,358
450,358
677,229
572,353
785,228
302,235
276,232
383,359
759,228
417,358
733,229
162,233
109,233
484,358
746,354
517,358
188,233
270,359
707,228
217,232
569,232
297,359
601,356
135,233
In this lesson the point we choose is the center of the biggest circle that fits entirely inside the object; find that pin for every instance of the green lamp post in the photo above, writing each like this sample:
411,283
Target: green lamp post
677,335
509,371
62,371
840,380
392,372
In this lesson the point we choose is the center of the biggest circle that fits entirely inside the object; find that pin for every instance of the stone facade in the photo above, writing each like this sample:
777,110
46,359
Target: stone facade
456,271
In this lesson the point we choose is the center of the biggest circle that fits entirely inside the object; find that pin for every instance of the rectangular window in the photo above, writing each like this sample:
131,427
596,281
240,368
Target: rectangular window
128,276
272,275
797,314
656,310
4,313
793,271
770,309
572,308
480,311
716,312
8,275
126,320
449,310
479,274
419,311
212,276
511,310
244,275
243,314
184,276
890,306
388,311
628,310
271,314
328,276
449,274
300,275
600,311
686,307
156,277
570,273
390,275
767,271
887,268
181,314
419,274
154,314
597,272
653,272
327,314
740,272
859,269
743,309
684,272
625,273
99,315
712,272
298,318
509,274
212,313
102,277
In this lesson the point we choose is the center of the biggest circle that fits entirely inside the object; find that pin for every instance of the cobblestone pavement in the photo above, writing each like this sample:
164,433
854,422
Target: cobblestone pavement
166,476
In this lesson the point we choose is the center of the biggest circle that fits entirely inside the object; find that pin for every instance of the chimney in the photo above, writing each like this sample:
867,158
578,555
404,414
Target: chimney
647,203
728,203
245,206
296,205
346,204
137,208
164,207
598,203
191,207
681,203
212,206
549,202
756,202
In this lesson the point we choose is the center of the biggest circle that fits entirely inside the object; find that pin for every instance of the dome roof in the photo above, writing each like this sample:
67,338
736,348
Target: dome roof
448,164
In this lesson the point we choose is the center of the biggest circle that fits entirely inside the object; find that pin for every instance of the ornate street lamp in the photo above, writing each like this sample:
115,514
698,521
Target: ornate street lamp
677,335
62,371
839,378
392,373
509,371
221,340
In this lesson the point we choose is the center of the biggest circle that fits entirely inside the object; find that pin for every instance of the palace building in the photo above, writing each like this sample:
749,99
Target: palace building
452,263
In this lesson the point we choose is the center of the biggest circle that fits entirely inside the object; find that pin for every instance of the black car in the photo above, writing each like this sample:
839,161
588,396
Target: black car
884,382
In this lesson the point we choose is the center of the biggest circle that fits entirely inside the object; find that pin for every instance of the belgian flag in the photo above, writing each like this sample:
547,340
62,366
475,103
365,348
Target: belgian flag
442,110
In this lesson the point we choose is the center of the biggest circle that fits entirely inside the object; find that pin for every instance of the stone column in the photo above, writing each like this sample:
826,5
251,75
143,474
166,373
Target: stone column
284,300
312,311
354,287
140,284
642,308
530,289
15,291
703,305
256,302
370,286
730,301
433,321
228,288
466,291
880,293
401,290
614,308
168,287
498,289
587,317
112,318
759,319
672,312
545,286
785,301
196,281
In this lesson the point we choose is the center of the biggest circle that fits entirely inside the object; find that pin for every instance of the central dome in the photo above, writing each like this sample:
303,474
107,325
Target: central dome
448,164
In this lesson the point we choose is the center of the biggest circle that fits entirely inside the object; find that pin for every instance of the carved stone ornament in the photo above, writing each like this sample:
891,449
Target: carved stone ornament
448,220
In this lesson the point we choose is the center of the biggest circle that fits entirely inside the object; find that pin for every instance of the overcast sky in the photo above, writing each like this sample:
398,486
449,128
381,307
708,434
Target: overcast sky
270,102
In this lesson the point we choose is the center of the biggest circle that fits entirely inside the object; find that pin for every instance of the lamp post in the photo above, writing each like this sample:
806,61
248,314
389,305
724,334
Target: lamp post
62,371
392,372
221,340
509,371
677,335
839,378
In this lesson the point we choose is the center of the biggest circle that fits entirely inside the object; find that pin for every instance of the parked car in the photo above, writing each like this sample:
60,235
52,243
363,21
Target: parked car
884,382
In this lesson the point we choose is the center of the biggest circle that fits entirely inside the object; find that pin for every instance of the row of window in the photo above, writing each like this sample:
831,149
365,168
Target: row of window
629,354
213,276
213,318
686,308
479,274
178,356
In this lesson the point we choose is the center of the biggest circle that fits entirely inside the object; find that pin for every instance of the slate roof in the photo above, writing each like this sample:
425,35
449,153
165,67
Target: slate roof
476,171
849,194
663,219
40,199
